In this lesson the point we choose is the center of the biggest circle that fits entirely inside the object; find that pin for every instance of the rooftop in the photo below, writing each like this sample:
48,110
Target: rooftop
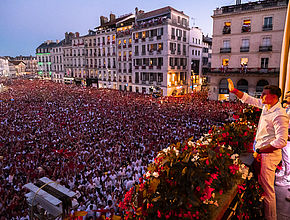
157,12
238,8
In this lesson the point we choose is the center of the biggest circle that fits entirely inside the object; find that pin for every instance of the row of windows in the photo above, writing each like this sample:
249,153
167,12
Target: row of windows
244,62
149,62
265,46
174,61
149,33
246,25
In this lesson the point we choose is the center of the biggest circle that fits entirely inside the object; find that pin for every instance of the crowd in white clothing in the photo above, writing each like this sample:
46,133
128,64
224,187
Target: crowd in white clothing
96,142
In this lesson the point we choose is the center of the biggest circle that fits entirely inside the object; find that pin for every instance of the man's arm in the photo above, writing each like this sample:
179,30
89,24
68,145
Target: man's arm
233,90
244,97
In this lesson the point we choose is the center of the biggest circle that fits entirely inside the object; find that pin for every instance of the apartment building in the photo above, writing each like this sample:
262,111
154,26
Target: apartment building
68,58
30,63
57,64
195,58
246,46
124,53
160,56
4,67
106,33
44,59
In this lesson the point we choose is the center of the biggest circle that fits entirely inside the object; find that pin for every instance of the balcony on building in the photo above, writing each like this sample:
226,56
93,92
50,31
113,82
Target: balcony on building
246,28
267,27
265,48
244,49
226,30
225,50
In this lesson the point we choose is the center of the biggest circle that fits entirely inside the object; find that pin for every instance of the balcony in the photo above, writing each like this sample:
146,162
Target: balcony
258,70
151,67
159,37
150,38
136,40
226,30
178,38
119,46
143,39
130,71
120,71
225,50
244,49
178,52
124,70
136,54
108,54
124,46
267,27
184,39
265,48
172,51
113,42
143,67
130,45
246,29
158,67
124,58
119,59
136,67
172,37
151,52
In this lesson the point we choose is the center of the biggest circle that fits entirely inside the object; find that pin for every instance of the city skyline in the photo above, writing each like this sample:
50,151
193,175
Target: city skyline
25,25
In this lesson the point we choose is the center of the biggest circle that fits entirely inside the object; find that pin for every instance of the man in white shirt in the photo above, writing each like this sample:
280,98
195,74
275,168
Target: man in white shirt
283,176
271,137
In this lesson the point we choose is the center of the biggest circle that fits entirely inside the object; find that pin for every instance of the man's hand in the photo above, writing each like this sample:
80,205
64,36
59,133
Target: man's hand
231,85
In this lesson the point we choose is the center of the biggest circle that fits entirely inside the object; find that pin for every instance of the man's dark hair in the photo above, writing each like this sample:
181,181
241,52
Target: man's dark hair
274,90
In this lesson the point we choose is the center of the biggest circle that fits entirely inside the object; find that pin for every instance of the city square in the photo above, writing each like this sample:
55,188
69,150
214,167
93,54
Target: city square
145,115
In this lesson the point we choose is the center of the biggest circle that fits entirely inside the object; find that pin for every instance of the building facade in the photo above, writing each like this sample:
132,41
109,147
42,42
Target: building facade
44,59
30,63
4,67
247,42
195,58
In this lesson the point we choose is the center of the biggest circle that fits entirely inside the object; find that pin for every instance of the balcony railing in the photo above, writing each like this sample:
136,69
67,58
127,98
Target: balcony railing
246,29
245,70
265,48
225,50
267,27
226,30
244,49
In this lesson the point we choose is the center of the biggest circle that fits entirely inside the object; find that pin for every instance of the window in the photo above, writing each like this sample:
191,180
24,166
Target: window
225,62
267,23
244,61
246,26
159,31
226,44
227,28
119,42
245,42
144,34
264,63
172,31
266,41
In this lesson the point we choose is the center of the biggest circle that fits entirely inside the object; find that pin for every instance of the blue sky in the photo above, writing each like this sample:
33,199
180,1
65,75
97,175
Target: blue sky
25,24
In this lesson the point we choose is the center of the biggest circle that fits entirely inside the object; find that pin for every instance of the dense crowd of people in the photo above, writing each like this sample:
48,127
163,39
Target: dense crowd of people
96,142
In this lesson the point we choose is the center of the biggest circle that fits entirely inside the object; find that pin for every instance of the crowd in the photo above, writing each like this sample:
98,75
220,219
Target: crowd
95,142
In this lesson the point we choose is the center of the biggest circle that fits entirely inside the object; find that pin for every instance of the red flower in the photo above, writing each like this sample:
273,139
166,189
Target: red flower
221,192
236,117
158,214
198,188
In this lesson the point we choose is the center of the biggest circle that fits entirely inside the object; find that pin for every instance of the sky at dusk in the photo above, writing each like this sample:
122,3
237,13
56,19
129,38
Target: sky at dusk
25,24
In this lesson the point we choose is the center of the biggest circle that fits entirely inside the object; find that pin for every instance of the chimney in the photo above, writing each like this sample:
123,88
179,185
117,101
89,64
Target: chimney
103,20
112,17
136,11
77,34
57,41
238,2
